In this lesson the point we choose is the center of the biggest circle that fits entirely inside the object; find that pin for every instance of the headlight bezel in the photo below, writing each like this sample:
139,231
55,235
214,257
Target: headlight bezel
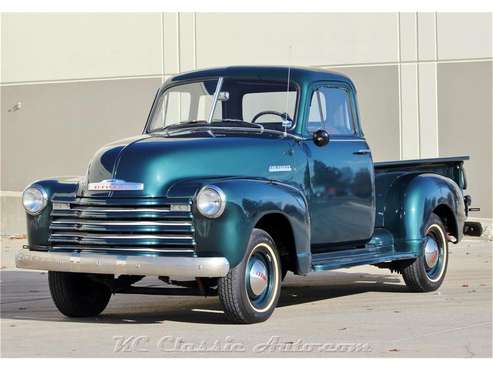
221,197
44,199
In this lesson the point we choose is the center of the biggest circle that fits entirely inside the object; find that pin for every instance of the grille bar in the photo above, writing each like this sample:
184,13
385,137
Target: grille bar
121,223
112,226
126,249
122,236
120,213
116,239
119,209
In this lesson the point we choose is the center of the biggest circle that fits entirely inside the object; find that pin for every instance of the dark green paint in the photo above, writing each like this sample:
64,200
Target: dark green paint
342,210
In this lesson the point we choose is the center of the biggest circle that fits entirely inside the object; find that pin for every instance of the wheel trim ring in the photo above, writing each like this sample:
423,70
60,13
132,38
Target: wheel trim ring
436,272
432,252
273,283
258,278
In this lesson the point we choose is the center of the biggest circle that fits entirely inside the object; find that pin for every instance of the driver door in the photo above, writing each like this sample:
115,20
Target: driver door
341,172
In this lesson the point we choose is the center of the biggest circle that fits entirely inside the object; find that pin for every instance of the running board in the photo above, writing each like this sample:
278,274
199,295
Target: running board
379,249
342,259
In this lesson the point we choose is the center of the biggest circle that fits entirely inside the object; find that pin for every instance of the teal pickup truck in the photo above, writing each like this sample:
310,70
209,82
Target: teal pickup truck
240,175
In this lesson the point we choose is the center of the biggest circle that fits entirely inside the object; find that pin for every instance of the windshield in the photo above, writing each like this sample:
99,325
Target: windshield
223,101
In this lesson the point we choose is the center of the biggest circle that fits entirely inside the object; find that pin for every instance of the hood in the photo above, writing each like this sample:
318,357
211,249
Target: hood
157,162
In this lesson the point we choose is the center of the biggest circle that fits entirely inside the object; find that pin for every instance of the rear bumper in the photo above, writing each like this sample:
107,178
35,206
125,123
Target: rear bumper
121,264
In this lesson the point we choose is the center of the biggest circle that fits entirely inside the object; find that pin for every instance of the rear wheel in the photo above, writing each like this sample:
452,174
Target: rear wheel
77,294
427,272
250,291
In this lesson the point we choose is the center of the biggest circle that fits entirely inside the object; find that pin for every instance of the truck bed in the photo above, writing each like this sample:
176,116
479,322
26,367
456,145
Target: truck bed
420,163
388,172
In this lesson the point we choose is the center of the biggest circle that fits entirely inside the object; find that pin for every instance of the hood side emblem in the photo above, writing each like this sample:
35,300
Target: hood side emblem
280,168
115,185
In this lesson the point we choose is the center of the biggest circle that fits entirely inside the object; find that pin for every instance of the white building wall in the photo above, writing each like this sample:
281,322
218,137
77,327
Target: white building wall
399,61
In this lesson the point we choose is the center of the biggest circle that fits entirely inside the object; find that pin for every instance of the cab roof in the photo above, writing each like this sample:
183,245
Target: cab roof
300,75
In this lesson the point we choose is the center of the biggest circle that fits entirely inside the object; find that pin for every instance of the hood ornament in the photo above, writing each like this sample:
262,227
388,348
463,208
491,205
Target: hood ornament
115,185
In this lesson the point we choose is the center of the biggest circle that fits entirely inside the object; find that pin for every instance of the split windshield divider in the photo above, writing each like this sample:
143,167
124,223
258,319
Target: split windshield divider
215,98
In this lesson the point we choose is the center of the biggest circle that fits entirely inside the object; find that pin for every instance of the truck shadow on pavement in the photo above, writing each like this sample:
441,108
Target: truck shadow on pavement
25,296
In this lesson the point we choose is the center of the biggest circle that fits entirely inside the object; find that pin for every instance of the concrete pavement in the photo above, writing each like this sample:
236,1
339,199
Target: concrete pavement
359,312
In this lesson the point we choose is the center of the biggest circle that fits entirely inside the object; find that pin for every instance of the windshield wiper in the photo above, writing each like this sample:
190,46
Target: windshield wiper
210,128
203,125
179,126
192,122
261,127
173,126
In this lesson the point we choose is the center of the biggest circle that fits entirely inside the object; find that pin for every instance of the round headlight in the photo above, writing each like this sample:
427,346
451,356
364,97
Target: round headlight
34,199
211,201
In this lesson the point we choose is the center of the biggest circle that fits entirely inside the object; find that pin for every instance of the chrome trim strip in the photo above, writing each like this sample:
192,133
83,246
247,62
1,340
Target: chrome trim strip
114,185
109,210
362,152
350,140
121,223
120,264
339,140
85,248
69,234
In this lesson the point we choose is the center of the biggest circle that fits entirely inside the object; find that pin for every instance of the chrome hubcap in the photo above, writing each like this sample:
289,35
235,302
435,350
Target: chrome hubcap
432,252
258,277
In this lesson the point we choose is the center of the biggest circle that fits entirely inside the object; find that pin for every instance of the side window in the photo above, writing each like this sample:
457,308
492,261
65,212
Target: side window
330,109
318,111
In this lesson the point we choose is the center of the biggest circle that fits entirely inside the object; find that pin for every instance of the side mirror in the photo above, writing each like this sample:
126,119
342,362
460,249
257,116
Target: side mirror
223,96
321,137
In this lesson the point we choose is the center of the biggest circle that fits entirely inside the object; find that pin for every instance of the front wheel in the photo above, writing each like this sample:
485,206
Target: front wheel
250,291
427,272
77,295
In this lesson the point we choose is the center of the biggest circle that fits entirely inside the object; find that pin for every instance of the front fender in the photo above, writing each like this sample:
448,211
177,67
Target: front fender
38,226
410,202
247,201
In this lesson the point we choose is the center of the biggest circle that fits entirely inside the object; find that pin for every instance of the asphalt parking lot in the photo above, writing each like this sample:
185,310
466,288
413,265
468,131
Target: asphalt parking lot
359,312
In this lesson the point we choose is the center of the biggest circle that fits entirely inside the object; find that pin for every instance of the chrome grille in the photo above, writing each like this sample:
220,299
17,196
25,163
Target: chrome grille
133,227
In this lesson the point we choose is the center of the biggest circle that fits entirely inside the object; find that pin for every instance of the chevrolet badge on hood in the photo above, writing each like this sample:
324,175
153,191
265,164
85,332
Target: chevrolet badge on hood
115,185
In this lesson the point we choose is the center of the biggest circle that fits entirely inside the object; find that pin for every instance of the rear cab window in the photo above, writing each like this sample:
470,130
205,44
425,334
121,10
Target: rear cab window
280,101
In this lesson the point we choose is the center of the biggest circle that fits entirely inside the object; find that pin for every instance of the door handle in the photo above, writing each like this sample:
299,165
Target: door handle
362,152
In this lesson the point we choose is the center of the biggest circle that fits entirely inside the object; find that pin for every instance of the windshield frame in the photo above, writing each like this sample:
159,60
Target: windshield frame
167,86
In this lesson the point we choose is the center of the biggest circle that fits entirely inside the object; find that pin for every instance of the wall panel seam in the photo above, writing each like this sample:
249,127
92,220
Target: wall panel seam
399,82
195,40
417,86
437,141
436,35
163,58
178,40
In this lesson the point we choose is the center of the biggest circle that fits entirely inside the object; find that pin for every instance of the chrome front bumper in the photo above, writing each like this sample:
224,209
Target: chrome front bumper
120,264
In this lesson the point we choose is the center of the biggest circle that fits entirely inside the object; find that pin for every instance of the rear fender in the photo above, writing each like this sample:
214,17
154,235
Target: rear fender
410,202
